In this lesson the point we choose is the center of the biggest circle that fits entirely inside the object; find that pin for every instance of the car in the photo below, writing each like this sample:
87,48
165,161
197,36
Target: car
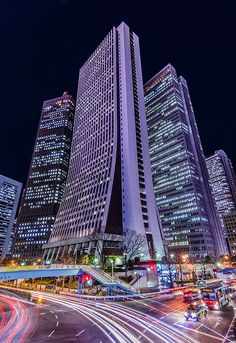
196,310
192,294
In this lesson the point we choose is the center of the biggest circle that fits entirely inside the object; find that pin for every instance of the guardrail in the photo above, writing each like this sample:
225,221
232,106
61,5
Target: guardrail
160,294
17,292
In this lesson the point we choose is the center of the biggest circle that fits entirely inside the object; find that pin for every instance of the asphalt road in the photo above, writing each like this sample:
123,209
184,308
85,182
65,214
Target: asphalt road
216,327
67,319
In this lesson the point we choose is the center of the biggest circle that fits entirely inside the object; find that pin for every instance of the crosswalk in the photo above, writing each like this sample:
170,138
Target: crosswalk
232,332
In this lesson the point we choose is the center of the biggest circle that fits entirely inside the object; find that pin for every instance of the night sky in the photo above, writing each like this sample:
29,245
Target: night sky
44,43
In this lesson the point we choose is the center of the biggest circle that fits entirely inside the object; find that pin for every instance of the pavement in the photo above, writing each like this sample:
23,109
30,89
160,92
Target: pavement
65,319
216,327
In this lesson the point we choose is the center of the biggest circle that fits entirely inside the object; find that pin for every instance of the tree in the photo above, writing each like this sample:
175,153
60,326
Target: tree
205,261
100,244
67,260
134,245
8,260
86,259
168,263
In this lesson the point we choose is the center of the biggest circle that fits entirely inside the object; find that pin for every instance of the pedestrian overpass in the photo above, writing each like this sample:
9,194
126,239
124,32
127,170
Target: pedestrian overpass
28,272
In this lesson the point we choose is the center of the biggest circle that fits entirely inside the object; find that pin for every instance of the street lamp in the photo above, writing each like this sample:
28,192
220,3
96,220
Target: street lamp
112,269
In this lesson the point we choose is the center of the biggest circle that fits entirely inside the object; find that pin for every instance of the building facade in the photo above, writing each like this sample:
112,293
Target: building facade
179,172
229,223
10,191
109,187
46,179
222,182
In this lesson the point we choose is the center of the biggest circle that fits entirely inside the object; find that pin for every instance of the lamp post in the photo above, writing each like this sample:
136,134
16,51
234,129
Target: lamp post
125,259
112,269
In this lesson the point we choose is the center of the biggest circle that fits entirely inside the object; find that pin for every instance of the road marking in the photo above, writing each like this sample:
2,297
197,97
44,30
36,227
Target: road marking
57,323
162,317
56,316
230,328
51,333
79,333
42,313
199,326
216,324
202,333
51,311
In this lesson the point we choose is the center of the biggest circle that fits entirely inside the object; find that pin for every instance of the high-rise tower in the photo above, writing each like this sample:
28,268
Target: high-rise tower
222,182
109,186
46,179
9,198
187,211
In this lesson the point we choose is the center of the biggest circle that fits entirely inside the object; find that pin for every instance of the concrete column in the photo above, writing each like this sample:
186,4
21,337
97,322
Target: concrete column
58,252
80,284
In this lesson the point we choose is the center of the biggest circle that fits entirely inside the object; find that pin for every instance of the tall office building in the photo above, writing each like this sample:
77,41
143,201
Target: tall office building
9,198
229,224
222,182
187,211
109,186
46,179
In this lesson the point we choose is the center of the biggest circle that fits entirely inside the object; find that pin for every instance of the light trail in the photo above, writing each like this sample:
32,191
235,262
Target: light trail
118,332
19,324
124,320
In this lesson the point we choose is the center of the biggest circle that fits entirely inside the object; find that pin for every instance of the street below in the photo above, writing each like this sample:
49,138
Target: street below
68,319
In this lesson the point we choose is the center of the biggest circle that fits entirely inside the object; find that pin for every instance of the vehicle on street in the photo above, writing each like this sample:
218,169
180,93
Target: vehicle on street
216,297
209,283
192,294
196,310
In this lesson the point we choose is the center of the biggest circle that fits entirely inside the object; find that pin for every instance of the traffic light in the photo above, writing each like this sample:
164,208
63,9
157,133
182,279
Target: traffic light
87,280
151,268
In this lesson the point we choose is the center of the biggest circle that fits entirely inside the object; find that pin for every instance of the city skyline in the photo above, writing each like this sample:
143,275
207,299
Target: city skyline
194,53
109,186
117,121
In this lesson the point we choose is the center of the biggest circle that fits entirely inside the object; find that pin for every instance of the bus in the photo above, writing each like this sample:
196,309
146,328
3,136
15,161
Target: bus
215,297
209,283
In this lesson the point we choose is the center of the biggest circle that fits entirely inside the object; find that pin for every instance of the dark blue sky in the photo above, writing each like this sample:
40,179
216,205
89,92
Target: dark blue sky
44,43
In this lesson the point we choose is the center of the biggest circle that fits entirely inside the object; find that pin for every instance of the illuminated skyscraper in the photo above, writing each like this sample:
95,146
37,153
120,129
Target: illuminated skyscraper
46,179
229,224
187,212
222,182
9,198
109,186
